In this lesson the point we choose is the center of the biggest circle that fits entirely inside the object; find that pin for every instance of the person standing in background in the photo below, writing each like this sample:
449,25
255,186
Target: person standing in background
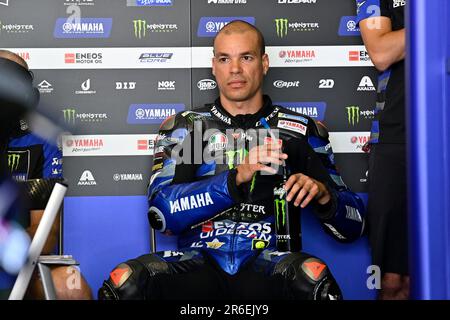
383,32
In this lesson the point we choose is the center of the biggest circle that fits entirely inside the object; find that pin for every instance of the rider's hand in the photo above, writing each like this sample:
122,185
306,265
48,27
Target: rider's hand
301,186
257,160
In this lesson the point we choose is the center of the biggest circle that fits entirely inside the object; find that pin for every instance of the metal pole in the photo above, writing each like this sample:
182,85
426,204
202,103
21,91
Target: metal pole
42,232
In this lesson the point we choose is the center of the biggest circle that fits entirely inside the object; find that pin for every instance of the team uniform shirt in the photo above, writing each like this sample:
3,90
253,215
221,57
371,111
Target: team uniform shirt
29,157
200,201
389,123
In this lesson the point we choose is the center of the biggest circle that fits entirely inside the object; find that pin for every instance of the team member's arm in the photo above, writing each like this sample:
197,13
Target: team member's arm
385,46
176,200
52,168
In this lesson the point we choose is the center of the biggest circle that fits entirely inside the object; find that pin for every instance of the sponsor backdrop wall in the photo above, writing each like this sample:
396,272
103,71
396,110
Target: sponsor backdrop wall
112,70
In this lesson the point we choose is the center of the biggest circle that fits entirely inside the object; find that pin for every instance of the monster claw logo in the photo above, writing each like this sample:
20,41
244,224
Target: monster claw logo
353,115
280,203
282,27
69,115
231,154
13,161
140,27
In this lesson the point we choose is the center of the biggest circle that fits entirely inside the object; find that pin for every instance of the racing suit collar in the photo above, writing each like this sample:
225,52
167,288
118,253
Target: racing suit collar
243,120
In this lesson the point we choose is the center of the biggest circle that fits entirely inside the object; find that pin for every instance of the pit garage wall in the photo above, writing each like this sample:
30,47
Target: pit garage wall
93,83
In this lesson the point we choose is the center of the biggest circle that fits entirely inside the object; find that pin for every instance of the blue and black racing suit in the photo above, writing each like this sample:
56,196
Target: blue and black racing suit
193,194
26,156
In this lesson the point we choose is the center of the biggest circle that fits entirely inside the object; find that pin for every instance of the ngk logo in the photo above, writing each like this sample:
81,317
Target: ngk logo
166,85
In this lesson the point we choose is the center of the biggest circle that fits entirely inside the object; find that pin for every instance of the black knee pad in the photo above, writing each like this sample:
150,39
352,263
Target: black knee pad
307,278
128,281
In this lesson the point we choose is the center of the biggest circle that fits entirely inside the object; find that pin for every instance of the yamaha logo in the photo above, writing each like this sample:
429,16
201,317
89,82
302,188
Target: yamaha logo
128,177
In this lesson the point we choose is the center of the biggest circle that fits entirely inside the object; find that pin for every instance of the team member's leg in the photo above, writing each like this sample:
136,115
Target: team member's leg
167,275
296,276
387,218
68,281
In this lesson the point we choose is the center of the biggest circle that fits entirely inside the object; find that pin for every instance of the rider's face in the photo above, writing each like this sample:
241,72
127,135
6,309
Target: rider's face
238,66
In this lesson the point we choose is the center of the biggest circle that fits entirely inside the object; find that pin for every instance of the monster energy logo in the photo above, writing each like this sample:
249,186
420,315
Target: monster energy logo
13,161
282,203
140,28
242,153
69,115
232,154
353,115
282,27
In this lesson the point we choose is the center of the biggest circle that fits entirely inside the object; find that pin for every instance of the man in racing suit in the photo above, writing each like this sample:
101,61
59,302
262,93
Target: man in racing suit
219,198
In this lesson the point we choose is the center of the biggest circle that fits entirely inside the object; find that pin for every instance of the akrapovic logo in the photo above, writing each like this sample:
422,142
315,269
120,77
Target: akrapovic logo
141,28
45,87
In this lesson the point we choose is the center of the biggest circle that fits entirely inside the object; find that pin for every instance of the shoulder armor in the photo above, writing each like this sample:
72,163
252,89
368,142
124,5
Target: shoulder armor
168,124
315,128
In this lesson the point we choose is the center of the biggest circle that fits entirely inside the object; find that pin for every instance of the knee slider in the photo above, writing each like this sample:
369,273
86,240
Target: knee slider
128,281
308,278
